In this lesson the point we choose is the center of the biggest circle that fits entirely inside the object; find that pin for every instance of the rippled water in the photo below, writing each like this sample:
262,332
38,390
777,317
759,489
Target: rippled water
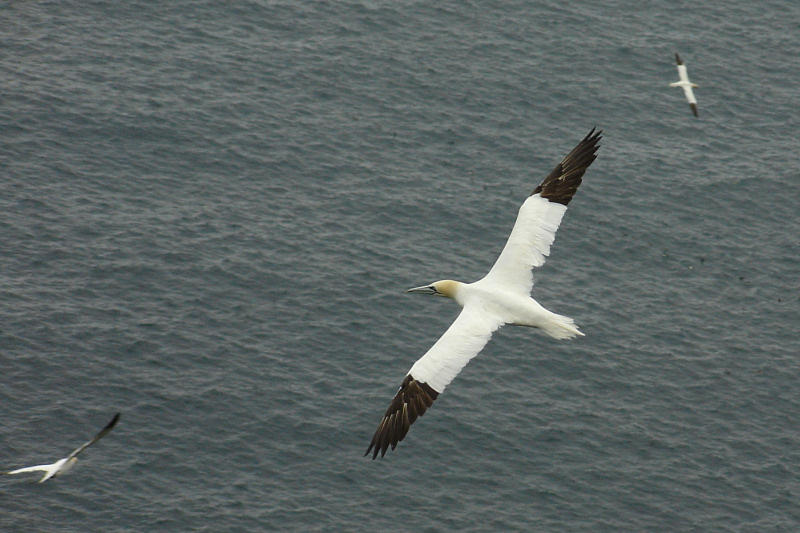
210,212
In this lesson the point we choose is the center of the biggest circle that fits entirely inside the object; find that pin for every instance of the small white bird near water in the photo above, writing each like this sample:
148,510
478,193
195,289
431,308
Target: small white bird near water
685,84
501,297
62,466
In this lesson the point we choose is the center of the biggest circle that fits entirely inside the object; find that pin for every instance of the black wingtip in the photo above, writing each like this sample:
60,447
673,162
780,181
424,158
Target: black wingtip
562,183
410,402
108,427
678,59
694,109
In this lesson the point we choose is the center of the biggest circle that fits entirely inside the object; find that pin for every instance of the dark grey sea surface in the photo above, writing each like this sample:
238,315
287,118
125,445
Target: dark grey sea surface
209,213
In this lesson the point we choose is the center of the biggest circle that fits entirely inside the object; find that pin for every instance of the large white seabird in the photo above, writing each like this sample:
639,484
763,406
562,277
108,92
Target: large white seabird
685,84
501,297
62,466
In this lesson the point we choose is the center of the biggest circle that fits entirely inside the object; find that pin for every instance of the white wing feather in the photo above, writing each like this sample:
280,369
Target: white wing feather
462,341
37,468
689,93
683,74
528,245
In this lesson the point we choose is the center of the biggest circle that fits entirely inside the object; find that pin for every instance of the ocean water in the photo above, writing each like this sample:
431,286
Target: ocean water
209,213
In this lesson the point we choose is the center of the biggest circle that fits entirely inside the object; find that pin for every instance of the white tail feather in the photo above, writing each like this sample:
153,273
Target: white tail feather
561,327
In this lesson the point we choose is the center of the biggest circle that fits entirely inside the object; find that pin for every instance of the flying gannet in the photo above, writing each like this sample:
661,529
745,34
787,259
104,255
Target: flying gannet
685,84
62,466
501,297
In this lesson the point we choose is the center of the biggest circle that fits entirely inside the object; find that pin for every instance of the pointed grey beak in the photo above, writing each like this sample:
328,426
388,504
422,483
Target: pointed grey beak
425,289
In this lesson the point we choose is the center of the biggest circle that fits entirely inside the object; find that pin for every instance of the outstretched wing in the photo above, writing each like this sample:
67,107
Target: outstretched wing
683,74
37,468
429,376
103,432
539,218
689,93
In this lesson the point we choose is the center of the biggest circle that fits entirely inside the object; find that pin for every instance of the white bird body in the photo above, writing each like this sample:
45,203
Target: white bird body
62,466
501,297
685,84
486,307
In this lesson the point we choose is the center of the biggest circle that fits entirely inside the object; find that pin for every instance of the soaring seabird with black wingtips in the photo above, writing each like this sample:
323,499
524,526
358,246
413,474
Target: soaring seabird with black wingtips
501,297
685,84
62,466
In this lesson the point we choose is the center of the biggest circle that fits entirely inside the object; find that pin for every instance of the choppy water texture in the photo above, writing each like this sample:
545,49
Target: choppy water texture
210,211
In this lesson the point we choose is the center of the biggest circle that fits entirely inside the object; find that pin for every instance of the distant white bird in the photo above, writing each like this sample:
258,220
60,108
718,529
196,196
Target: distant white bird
685,84
501,297
62,466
